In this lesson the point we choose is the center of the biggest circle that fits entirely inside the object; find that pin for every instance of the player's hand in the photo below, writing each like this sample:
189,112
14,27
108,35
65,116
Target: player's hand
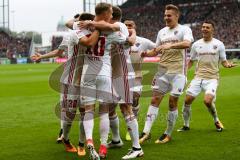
131,31
36,57
231,65
164,47
84,24
143,54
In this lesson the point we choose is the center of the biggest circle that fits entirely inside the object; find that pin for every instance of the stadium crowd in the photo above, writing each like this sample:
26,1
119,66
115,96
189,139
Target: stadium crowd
13,47
56,41
150,18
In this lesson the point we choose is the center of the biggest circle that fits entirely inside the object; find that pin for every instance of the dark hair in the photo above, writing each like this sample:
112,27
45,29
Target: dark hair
172,7
86,16
131,22
209,22
76,16
102,7
117,13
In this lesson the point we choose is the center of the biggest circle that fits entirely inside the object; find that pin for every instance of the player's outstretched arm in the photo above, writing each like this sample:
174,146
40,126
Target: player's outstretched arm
150,53
181,45
227,64
100,25
69,24
91,40
178,45
55,53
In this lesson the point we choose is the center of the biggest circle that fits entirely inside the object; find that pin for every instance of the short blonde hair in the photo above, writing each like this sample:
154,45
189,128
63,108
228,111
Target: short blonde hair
172,7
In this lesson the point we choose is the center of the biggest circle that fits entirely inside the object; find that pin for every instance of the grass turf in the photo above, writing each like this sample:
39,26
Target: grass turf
29,125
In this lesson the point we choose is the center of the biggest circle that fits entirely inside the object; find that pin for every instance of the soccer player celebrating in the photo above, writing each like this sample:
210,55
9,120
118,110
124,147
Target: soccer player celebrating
123,75
96,82
171,43
72,24
123,82
208,52
141,45
75,45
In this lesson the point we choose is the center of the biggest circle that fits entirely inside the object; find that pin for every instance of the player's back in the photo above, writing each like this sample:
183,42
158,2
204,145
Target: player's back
74,52
121,62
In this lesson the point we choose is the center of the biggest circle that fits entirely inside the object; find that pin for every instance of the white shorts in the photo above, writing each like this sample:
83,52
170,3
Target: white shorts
96,88
70,95
138,85
69,101
173,83
197,85
123,89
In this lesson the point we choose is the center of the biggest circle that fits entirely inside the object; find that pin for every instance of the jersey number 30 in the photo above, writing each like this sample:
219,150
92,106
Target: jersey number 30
98,49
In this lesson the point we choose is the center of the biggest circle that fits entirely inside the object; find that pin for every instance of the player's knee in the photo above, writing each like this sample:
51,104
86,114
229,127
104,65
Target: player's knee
188,100
112,110
173,102
208,102
135,101
112,117
155,101
68,116
126,109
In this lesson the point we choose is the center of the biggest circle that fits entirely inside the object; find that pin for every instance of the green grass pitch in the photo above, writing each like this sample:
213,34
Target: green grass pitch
29,125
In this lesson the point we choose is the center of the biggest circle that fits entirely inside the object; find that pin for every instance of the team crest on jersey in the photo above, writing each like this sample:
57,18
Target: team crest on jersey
179,90
215,47
175,32
137,44
78,32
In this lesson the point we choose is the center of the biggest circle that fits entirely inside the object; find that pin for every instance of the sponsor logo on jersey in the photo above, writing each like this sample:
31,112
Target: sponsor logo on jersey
179,89
137,44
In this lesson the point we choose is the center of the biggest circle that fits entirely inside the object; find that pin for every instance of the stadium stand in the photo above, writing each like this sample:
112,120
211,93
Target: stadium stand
225,14
56,41
13,47
148,15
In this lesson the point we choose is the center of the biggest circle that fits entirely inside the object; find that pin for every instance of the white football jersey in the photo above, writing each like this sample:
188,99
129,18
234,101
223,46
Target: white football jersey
74,53
174,60
208,55
141,45
122,71
120,52
75,26
98,61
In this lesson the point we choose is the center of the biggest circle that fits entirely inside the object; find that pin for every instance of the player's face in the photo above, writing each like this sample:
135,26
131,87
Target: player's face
129,25
207,30
171,18
108,15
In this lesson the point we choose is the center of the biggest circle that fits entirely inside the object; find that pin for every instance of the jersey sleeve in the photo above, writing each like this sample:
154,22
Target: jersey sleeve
193,53
222,52
158,41
65,42
150,45
77,35
123,28
117,37
188,34
75,26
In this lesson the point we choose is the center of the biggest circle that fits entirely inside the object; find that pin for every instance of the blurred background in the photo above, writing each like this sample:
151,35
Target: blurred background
27,26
